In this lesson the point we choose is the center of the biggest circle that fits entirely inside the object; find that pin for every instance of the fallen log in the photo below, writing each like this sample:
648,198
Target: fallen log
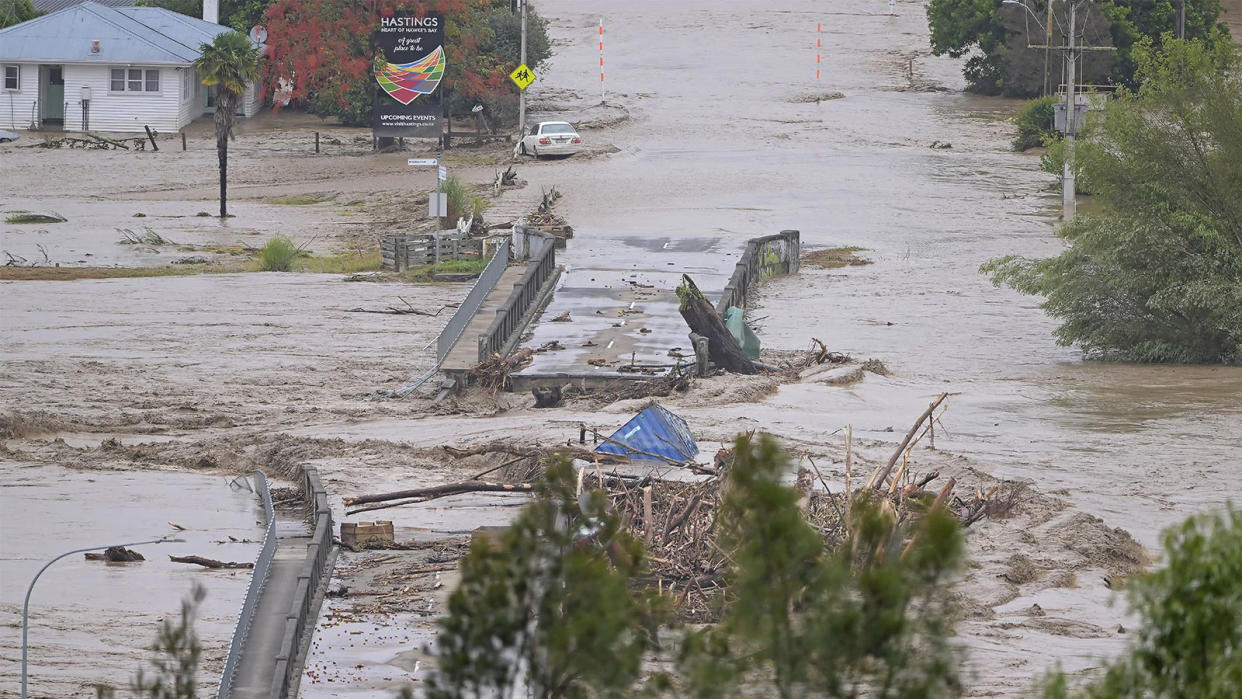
440,491
208,562
703,320
571,451
116,554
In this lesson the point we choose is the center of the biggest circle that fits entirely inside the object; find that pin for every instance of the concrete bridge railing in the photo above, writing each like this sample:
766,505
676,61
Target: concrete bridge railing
511,317
764,257
303,611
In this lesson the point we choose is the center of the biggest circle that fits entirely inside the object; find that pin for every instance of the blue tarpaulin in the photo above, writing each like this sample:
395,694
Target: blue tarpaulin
656,431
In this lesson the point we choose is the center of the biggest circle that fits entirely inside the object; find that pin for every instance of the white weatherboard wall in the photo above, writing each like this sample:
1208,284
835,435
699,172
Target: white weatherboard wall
252,99
122,111
193,103
16,106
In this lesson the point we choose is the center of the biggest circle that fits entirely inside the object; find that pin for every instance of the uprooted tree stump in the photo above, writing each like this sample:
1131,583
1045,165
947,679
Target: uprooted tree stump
703,320
116,554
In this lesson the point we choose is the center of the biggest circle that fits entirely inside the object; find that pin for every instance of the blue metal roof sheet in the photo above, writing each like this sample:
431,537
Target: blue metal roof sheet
655,430
132,35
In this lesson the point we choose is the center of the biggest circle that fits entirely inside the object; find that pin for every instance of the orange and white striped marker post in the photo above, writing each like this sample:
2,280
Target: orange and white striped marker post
819,46
601,60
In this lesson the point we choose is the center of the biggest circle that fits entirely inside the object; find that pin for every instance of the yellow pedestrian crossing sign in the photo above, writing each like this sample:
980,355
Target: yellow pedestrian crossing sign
522,77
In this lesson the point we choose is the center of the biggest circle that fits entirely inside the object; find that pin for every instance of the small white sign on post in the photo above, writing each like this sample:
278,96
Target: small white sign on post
437,205
421,161
443,173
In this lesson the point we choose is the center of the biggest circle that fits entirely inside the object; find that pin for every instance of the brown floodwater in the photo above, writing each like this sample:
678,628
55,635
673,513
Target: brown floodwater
109,612
723,144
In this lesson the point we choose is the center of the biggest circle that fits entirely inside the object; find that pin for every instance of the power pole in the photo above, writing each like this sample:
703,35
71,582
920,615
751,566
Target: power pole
1068,203
1181,19
522,93
1047,47
1073,50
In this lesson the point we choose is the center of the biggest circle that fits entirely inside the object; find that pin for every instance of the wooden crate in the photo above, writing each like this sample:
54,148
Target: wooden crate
364,534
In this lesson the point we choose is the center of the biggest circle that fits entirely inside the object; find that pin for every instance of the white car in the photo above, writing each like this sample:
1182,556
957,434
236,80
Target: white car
6,136
550,138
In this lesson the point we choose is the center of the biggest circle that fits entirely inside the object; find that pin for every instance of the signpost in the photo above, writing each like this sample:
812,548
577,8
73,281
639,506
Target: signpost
437,205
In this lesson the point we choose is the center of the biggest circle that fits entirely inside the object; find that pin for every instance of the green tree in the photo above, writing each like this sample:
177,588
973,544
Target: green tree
1157,275
1036,123
998,35
16,11
870,613
550,607
1189,639
229,63
238,14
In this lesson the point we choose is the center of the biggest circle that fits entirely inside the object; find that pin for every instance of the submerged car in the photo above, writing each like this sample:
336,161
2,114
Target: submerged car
551,138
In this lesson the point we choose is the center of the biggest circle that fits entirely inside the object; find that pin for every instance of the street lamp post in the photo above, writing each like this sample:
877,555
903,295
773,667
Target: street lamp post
26,603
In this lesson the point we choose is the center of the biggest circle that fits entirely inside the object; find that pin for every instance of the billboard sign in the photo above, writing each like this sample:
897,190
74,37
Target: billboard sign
411,64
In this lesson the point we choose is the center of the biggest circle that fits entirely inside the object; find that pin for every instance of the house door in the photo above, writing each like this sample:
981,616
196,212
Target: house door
52,111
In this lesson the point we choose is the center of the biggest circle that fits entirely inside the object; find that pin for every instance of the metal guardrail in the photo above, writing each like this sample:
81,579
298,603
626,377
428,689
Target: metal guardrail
302,617
764,257
525,291
478,294
258,578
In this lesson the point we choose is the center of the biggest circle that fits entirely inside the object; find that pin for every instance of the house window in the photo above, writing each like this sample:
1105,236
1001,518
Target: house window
188,88
134,80
12,75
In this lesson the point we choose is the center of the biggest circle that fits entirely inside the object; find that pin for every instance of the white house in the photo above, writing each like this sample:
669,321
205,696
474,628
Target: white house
98,68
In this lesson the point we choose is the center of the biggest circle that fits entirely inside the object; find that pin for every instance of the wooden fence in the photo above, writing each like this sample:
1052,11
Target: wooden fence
411,250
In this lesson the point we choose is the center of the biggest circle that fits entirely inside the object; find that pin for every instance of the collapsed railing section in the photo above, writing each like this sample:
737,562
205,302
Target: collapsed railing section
303,611
510,316
764,257
258,578
478,294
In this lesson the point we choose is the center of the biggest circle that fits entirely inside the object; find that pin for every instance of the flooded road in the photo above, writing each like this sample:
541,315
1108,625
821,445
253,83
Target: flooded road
110,612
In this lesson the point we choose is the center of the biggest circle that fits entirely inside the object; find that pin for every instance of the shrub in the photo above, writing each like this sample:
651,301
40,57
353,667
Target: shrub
462,203
278,254
1189,643
1035,123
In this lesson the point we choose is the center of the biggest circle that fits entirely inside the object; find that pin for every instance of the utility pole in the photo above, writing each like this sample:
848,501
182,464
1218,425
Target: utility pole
1068,204
1047,46
1181,19
522,93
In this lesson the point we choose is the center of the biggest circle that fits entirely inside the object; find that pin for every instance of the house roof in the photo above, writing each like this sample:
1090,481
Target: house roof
58,5
132,35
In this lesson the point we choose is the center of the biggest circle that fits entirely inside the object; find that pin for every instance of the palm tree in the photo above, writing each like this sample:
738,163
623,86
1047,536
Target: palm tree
229,62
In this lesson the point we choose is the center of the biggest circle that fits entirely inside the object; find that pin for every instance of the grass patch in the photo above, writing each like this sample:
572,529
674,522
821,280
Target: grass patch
428,273
278,254
146,236
462,203
28,217
63,274
299,199
342,263
833,258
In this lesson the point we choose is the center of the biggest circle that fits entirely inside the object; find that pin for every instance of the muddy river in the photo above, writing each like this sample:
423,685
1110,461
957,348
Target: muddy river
723,144
109,611
724,134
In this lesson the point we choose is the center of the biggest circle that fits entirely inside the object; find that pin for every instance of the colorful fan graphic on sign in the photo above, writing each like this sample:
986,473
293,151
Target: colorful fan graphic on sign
409,80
